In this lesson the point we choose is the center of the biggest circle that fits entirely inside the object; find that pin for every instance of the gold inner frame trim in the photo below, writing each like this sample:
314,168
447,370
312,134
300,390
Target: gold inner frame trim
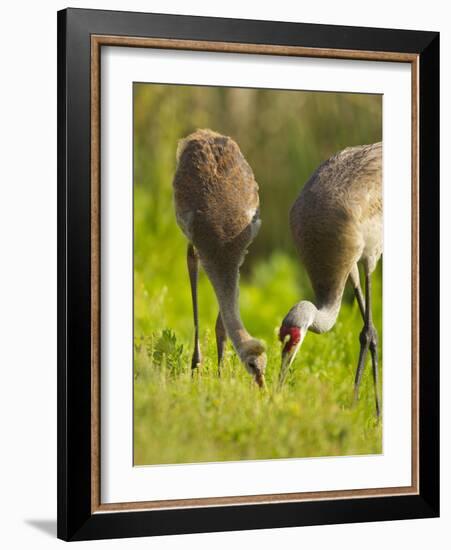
97,41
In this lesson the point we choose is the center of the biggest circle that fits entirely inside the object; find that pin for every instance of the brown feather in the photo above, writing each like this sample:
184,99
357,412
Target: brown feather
337,219
216,195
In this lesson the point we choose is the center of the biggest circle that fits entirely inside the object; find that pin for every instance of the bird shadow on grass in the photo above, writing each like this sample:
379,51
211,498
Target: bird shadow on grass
46,526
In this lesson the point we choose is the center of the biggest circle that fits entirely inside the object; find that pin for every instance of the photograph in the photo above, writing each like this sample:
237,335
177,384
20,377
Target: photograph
248,273
257,266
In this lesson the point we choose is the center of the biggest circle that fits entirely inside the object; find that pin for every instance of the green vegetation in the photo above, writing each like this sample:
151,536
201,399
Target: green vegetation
179,418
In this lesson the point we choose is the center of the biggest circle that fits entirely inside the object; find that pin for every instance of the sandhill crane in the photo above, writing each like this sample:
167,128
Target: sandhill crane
336,222
217,208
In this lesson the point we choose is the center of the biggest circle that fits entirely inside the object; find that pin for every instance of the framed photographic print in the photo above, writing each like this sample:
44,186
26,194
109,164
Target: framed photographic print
248,274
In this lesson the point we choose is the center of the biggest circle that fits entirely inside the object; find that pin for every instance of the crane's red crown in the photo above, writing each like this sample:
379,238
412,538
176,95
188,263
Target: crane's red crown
293,332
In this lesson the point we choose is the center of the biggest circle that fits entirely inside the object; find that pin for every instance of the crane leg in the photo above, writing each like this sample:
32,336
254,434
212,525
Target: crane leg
368,341
359,295
355,280
221,337
193,271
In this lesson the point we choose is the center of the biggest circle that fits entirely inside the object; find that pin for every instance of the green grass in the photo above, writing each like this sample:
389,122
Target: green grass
180,418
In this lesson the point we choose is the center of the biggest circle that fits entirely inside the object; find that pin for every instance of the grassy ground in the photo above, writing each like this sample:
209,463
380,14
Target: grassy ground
183,419
178,418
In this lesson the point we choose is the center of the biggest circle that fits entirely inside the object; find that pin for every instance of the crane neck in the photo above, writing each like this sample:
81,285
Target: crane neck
325,316
225,284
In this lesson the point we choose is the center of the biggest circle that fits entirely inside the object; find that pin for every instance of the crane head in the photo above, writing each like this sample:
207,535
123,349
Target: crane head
253,355
292,333
291,338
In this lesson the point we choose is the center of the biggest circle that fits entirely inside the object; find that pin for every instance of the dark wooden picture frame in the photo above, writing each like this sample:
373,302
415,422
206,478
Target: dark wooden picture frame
81,34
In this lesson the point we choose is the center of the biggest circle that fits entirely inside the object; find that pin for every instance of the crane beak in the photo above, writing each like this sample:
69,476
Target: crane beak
260,379
288,355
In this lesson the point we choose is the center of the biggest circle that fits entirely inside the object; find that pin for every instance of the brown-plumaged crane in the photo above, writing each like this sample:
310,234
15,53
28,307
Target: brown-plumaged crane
336,222
217,208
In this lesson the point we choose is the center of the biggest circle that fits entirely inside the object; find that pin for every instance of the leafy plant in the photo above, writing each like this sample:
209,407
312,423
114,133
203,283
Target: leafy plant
168,353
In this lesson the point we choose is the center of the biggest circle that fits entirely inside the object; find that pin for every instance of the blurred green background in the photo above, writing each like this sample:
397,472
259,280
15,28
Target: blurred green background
284,135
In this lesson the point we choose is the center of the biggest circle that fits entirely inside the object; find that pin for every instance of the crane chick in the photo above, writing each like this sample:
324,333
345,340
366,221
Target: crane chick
336,222
217,208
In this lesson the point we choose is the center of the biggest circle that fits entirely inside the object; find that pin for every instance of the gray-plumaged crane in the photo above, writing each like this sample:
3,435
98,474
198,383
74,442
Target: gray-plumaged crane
217,208
336,222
